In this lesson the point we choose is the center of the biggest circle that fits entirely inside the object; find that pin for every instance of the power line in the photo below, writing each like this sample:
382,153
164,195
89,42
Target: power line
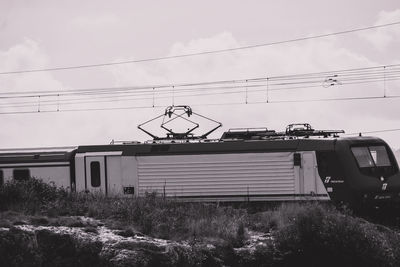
377,131
117,98
208,104
275,83
201,53
189,93
343,75
339,72
180,94
336,99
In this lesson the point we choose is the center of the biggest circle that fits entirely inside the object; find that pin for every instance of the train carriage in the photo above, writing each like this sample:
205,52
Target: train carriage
51,164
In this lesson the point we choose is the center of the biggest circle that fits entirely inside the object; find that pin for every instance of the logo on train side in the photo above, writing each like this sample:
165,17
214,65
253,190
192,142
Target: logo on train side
328,179
384,185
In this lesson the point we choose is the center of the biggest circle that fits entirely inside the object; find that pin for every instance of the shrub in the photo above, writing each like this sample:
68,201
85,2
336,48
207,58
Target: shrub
29,195
309,234
18,248
319,236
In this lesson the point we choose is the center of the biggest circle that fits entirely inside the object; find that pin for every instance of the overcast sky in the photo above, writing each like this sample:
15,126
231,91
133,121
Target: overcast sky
46,34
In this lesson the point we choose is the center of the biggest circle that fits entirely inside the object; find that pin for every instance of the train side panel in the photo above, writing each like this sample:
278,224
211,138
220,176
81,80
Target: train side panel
56,173
105,172
232,177
122,175
51,165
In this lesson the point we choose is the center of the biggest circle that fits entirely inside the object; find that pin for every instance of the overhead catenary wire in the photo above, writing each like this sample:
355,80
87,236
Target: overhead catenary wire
141,93
233,92
219,51
144,91
376,131
210,104
163,91
118,98
189,93
391,70
345,72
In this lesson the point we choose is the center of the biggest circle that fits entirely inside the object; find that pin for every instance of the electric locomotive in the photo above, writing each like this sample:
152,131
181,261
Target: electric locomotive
297,164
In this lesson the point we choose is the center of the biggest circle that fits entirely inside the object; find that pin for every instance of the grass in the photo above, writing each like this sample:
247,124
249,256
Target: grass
150,215
311,234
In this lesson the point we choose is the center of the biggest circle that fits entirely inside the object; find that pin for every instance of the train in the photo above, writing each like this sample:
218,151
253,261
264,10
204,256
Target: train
298,164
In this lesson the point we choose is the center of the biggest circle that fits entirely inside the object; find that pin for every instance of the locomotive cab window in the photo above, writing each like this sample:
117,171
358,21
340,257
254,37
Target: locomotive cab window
95,173
21,174
371,156
380,156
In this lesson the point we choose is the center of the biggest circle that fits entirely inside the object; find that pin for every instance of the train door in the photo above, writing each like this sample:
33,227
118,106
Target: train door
96,177
309,173
114,175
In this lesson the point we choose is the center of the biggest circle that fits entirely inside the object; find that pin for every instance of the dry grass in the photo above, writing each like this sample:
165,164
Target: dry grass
150,215
304,233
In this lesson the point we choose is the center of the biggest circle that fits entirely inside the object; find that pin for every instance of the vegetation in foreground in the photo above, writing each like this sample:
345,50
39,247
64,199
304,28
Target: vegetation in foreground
309,234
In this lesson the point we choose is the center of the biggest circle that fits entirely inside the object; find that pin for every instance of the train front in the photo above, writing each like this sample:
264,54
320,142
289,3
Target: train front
370,170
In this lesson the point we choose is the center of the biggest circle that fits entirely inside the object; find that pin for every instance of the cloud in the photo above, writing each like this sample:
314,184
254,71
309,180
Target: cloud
26,55
95,21
100,127
19,130
302,57
43,128
382,38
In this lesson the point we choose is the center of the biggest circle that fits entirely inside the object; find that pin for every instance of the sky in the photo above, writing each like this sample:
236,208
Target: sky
48,34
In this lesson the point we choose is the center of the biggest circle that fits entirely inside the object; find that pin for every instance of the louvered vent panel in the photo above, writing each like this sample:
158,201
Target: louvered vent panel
218,174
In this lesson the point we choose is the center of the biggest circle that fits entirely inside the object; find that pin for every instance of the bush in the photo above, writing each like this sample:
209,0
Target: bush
156,216
309,234
319,236
18,248
29,195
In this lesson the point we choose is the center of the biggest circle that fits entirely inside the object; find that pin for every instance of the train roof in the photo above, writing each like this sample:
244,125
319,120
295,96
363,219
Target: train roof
40,154
206,146
227,146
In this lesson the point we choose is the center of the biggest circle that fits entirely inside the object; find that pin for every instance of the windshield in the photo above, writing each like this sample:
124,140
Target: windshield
371,156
